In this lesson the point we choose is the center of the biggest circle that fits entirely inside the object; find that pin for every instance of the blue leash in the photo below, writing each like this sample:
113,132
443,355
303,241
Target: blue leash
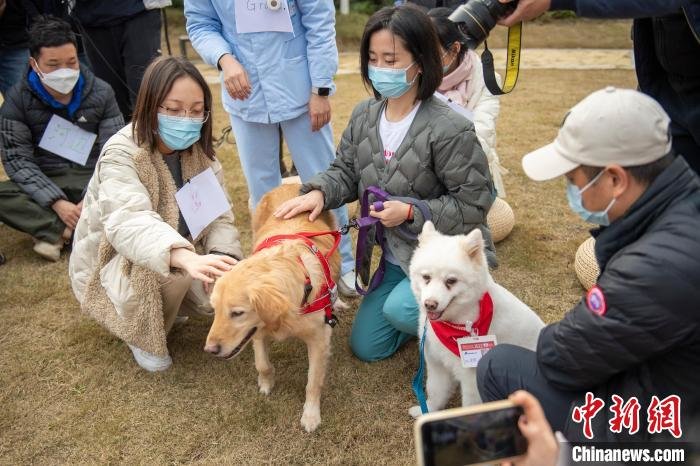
418,379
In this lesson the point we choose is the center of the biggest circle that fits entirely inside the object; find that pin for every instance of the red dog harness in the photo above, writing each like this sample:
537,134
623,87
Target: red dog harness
448,332
328,293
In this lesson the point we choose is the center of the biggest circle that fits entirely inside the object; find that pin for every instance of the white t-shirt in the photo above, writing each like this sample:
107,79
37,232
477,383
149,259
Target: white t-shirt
393,132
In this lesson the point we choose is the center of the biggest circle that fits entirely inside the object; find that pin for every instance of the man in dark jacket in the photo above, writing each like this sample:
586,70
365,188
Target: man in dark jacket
637,332
666,54
121,38
14,48
43,196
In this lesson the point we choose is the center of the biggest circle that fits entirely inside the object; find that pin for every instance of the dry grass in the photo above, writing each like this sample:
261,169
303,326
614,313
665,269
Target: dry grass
71,393
543,33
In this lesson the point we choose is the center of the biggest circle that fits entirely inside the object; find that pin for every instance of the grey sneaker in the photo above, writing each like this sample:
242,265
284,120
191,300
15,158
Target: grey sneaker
150,362
346,285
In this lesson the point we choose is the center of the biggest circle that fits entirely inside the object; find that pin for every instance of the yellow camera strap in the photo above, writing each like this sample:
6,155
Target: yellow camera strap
512,63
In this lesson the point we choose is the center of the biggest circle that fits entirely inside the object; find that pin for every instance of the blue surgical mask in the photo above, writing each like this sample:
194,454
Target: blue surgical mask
179,133
574,195
391,83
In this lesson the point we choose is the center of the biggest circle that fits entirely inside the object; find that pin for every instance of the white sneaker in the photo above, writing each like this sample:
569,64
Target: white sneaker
150,362
49,251
346,285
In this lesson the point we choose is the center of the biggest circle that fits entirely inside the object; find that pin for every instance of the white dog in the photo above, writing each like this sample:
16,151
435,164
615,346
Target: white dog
451,282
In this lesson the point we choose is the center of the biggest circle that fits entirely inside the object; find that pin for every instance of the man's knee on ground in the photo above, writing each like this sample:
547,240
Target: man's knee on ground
490,364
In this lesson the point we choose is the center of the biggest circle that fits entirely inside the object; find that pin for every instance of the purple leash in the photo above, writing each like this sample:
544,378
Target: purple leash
364,224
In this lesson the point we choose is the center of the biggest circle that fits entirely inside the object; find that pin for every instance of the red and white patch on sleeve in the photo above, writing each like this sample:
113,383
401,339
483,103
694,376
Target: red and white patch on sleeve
595,300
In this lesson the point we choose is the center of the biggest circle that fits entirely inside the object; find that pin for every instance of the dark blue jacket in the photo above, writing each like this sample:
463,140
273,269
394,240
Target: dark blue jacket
647,340
667,58
100,13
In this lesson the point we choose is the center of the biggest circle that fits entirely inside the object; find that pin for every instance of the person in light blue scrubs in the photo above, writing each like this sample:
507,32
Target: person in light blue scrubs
273,79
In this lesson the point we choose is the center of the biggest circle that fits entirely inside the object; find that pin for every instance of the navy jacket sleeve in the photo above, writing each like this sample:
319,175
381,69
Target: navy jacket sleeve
620,8
643,318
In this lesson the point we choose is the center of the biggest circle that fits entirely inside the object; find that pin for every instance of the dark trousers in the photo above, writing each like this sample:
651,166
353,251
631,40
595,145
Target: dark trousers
508,368
120,54
19,211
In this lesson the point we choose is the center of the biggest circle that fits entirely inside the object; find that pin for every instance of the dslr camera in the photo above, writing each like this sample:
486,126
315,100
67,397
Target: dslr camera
476,18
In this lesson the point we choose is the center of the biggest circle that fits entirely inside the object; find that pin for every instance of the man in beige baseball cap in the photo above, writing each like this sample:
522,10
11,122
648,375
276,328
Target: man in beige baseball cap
637,331
619,131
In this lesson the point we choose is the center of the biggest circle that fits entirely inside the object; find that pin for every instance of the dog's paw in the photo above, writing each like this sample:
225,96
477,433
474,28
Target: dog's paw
265,383
415,411
311,419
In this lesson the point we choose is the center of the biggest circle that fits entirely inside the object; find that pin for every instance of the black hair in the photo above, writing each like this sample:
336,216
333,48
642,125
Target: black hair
447,31
413,27
644,174
49,31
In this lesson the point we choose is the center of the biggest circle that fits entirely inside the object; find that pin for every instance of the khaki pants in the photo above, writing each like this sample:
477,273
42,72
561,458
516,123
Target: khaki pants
182,296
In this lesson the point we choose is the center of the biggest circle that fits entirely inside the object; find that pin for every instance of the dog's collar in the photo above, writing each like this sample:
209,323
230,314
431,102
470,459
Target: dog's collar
449,332
328,292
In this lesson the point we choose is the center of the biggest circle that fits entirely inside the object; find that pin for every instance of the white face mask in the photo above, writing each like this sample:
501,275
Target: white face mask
62,80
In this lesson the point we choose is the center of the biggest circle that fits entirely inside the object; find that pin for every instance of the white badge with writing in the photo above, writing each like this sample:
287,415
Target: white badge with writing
472,349
256,16
201,201
63,138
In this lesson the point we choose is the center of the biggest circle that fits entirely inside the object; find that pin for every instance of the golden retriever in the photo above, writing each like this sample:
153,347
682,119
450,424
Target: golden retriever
261,297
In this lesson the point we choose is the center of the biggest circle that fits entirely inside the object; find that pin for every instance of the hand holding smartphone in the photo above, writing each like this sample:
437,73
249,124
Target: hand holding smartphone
472,435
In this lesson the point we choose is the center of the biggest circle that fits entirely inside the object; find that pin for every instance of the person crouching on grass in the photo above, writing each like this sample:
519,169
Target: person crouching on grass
135,265
637,332
410,144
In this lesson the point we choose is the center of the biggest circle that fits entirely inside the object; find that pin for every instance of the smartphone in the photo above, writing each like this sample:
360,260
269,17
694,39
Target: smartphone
473,435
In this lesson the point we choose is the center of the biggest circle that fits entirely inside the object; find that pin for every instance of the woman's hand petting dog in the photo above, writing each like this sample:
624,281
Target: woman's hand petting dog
205,268
393,214
312,201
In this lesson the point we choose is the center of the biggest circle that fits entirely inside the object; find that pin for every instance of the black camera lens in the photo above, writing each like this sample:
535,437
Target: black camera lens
476,18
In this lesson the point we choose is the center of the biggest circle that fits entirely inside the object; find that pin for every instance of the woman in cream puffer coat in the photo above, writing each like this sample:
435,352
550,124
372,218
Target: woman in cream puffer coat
134,264
463,83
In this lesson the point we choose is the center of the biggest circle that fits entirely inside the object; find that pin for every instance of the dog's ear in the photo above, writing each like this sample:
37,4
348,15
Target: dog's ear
473,245
216,294
427,232
270,305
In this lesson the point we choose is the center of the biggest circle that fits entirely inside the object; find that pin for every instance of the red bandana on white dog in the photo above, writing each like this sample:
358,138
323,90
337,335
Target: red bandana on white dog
448,332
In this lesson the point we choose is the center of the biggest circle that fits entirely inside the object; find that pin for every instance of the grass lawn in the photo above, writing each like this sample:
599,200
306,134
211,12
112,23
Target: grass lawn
545,32
71,393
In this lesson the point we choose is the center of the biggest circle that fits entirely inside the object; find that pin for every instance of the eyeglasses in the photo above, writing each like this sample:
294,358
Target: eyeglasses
182,113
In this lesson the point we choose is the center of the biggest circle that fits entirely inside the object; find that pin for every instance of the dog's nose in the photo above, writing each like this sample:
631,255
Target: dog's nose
430,304
212,348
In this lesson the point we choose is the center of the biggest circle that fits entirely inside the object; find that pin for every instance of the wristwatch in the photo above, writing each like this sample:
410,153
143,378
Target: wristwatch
322,91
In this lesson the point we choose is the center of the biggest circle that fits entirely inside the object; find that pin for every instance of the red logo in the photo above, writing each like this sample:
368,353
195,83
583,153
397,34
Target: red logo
587,412
665,415
661,415
595,300
625,415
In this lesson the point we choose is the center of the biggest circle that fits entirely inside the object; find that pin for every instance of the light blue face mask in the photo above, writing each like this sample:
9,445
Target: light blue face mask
574,195
179,133
390,82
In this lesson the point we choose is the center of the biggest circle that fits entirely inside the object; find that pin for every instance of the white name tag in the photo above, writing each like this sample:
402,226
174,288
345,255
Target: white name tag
255,16
63,138
201,201
472,349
